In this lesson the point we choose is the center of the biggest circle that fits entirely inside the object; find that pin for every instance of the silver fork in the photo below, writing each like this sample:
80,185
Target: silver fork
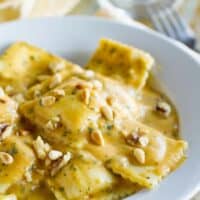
167,21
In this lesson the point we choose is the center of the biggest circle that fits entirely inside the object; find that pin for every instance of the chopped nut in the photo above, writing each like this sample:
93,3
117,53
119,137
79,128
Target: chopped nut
9,89
34,187
97,84
85,96
5,131
132,139
56,80
139,155
6,158
143,141
2,93
163,108
97,137
28,175
84,85
110,100
57,66
59,92
53,123
54,154
47,100
41,148
19,98
107,112
56,119
60,163
50,126
89,74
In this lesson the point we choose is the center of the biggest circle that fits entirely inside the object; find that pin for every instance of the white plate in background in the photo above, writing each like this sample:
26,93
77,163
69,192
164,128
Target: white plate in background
76,37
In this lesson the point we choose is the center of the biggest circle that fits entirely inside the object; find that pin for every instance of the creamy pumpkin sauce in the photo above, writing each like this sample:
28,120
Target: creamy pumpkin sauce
72,133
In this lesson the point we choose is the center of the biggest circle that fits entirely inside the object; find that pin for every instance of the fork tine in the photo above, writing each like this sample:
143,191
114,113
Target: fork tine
155,19
160,21
164,19
182,23
174,22
179,20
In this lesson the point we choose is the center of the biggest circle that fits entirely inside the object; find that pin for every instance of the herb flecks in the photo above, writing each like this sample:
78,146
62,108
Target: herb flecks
13,151
90,130
32,57
109,127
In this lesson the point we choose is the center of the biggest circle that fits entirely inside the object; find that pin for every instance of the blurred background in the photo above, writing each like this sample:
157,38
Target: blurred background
148,12
189,10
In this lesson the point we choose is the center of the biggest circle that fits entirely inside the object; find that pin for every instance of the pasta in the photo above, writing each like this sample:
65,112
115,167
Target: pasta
69,133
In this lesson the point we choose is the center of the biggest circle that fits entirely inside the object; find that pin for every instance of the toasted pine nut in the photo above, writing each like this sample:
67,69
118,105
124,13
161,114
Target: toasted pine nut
163,108
6,158
107,112
57,66
97,137
139,155
97,84
28,175
85,96
5,131
59,92
54,154
47,100
60,163
143,140
41,148
89,74
56,80
2,93
110,100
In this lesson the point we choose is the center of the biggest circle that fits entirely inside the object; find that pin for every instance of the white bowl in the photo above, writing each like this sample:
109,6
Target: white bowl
76,37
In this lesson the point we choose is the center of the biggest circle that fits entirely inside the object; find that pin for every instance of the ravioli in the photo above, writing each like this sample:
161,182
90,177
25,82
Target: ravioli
121,62
73,116
83,176
23,157
21,64
163,155
76,115
83,133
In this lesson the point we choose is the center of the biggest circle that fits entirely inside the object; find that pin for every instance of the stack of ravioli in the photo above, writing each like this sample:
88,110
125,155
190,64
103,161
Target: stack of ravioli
76,133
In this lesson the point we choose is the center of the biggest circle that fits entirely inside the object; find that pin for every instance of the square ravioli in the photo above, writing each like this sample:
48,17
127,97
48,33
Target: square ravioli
15,158
121,62
143,155
75,106
22,65
149,157
59,118
83,176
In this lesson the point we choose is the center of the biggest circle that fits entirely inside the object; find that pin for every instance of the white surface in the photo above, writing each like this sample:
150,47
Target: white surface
76,37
